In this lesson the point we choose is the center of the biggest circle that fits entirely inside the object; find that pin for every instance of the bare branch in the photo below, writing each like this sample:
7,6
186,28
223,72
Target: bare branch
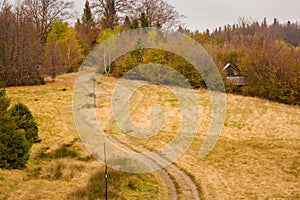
159,11
45,12
111,11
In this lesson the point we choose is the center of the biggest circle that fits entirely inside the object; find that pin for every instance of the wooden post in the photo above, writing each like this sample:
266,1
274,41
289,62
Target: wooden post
106,175
95,102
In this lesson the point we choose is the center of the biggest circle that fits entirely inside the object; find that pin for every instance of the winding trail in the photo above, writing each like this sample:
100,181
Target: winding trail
163,173
188,188
179,184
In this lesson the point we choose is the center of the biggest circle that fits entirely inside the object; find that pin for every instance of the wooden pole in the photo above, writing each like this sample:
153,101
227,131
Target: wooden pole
106,175
95,94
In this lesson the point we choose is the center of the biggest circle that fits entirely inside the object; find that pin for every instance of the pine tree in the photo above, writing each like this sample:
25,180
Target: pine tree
14,147
86,30
127,23
87,13
158,25
144,20
141,22
135,24
4,102
110,19
24,120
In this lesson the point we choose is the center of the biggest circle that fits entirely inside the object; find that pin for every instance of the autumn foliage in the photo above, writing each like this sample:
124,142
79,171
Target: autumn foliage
36,42
268,57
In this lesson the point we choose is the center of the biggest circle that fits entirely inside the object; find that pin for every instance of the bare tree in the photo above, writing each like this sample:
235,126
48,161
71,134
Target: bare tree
111,11
20,50
160,12
45,12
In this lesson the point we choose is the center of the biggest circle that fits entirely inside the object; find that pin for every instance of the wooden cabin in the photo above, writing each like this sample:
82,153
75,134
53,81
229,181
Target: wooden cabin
233,75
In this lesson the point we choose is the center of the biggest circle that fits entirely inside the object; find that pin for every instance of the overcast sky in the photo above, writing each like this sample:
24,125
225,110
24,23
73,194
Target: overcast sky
203,14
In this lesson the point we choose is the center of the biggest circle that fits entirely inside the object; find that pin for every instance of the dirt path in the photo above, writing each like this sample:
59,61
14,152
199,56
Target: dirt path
188,188
178,183
163,173
172,175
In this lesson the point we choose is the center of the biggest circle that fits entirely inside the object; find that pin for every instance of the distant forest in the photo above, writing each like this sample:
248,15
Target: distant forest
267,55
37,42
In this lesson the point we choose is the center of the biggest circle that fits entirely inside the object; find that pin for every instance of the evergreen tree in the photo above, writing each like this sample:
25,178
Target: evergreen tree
135,24
158,25
86,30
110,19
87,13
24,120
111,11
127,23
4,102
141,22
144,20
14,147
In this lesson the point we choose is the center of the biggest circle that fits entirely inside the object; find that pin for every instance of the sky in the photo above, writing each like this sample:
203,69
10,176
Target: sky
203,14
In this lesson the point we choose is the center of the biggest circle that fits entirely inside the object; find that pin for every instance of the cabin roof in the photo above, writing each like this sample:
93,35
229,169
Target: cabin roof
238,79
229,65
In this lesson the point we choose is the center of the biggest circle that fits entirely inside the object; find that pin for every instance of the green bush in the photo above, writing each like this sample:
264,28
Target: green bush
14,148
24,120
4,102
14,131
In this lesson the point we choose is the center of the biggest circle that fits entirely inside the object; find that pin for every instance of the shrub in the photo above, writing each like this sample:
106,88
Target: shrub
4,102
18,132
24,120
14,147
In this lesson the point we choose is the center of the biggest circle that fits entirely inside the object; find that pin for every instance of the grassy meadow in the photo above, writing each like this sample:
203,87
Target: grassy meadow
256,157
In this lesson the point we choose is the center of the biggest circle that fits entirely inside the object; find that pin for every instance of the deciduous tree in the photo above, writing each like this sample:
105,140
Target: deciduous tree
45,12
111,11
20,50
62,51
160,12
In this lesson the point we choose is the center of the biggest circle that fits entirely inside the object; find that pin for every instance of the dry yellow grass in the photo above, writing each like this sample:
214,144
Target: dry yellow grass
256,157
59,166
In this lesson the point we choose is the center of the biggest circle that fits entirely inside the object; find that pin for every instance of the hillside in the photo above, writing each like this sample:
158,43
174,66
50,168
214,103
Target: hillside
257,156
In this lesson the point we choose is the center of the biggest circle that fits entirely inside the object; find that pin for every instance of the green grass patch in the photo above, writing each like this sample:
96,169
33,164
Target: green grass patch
63,152
120,186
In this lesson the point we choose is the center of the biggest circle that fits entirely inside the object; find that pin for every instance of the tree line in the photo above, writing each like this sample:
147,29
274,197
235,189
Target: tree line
267,55
36,41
